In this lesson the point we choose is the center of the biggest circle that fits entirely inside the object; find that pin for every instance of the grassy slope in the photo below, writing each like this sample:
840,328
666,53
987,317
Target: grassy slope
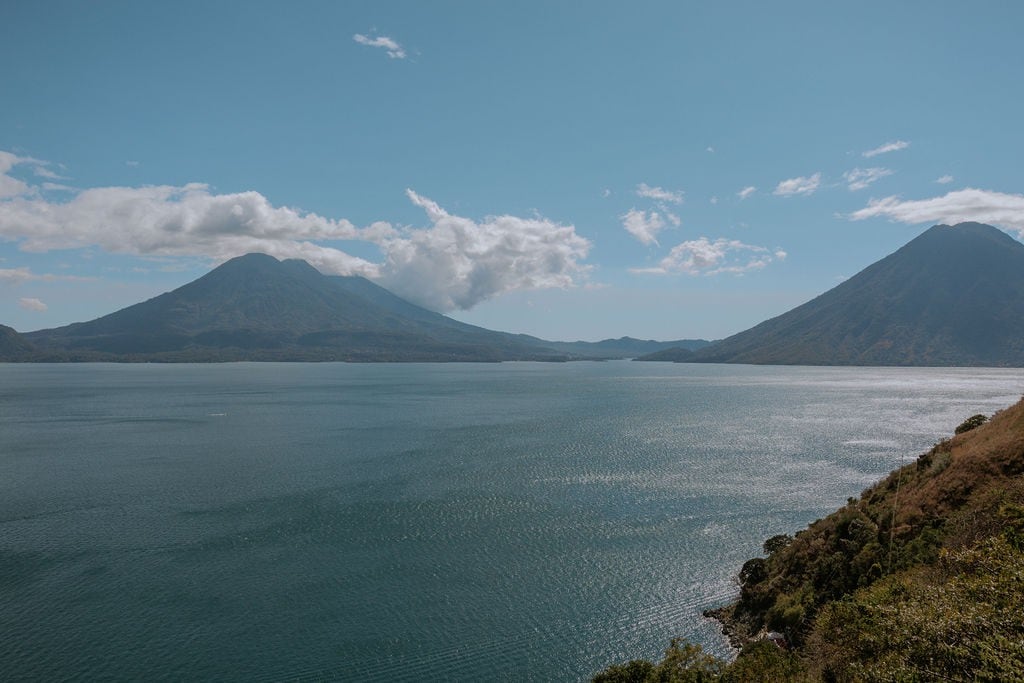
921,578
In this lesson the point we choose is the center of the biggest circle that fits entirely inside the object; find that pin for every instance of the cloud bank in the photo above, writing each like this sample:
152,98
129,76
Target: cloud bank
970,204
166,220
454,264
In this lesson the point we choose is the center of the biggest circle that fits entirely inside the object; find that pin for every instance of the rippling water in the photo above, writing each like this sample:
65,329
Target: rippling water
419,522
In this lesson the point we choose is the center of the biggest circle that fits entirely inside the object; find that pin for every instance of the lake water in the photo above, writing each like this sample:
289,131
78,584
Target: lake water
508,522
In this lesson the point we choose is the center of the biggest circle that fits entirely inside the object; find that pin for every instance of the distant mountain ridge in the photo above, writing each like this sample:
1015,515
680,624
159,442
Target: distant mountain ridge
625,347
255,307
953,296
675,354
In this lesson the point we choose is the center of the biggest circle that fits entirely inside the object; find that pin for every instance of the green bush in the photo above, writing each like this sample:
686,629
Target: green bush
973,422
777,543
684,662
961,618
764,661
636,671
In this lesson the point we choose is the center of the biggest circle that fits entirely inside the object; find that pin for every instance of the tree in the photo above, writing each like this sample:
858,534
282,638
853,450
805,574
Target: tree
777,543
973,422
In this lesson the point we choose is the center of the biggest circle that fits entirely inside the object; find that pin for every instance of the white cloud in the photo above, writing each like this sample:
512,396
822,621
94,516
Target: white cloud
16,276
642,225
181,221
30,304
860,178
970,204
710,149
132,163
58,187
703,256
434,211
746,192
714,200
455,263
394,50
659,194
894,146
40,169
11,187
672,218
944,180
606,193
801,185
43,172
458,263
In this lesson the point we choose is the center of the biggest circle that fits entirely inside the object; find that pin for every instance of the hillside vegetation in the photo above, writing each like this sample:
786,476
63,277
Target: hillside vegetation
921,578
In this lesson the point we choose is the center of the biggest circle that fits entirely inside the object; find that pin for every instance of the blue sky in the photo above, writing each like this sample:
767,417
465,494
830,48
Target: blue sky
569,170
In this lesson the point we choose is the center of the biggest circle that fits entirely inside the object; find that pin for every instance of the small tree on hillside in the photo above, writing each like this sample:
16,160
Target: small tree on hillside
973,422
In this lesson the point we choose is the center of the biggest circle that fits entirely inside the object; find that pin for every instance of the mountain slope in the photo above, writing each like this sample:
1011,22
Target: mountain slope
12,344
952,296
256,307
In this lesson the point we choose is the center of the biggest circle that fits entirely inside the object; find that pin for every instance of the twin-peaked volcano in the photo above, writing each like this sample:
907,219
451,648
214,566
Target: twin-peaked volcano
255,307
952,296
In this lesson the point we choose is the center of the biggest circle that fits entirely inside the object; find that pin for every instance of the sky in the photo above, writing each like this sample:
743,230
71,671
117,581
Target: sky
662,170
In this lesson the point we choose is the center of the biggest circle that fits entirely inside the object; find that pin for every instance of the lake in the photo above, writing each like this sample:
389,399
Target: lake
390,522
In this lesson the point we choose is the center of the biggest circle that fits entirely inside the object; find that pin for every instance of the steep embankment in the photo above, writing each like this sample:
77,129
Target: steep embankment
919,579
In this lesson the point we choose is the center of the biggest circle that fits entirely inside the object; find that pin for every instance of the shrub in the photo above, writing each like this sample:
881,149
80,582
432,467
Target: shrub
777,543
753,572
960,619
973,422
684,662
764,661
636,671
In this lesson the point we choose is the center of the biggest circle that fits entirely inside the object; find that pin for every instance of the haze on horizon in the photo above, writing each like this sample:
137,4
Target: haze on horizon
658,170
